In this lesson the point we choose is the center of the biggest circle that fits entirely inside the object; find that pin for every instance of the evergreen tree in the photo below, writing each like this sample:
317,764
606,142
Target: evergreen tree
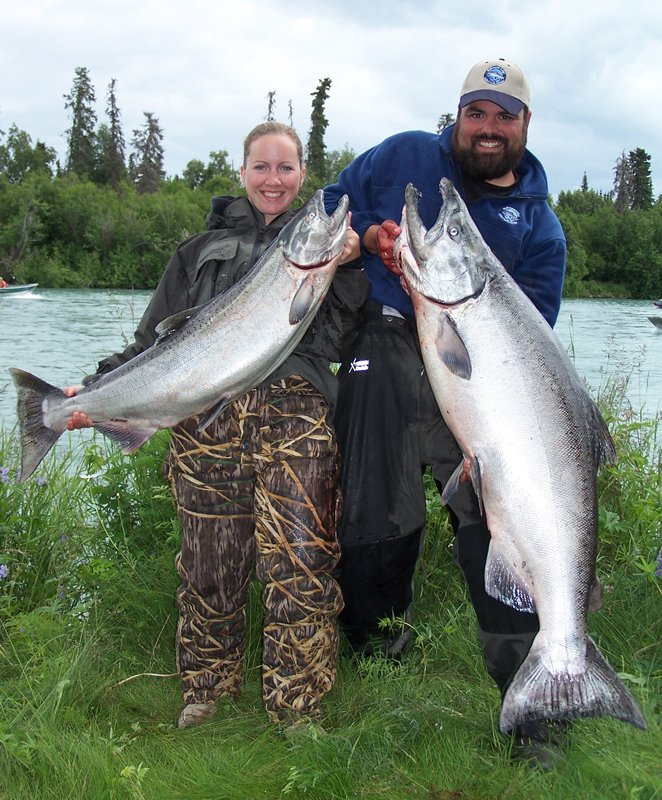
146,163
622,183
81,149
641,181
102,142
316,149
271,105
290,113
112,155
584,183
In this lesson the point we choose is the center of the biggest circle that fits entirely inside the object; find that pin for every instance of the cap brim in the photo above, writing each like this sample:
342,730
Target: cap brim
508,103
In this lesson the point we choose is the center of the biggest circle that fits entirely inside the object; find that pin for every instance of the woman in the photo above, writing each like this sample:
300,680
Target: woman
257,488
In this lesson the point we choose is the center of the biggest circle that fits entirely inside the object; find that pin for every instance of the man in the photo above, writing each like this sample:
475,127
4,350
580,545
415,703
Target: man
388,423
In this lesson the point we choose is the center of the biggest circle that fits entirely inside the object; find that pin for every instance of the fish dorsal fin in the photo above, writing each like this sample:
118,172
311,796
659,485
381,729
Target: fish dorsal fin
213,413
452,349
302,301
170,325
505,584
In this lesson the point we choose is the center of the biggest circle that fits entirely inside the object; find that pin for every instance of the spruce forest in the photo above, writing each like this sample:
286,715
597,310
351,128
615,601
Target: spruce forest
109,217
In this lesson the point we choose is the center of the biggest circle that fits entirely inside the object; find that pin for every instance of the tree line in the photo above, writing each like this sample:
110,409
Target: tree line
614,238
110,218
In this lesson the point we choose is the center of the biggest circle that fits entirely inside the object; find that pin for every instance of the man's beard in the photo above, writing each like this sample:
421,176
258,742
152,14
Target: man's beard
488,165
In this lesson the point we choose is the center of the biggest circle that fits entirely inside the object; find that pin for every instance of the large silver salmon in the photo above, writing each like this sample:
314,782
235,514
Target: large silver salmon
206,356
535,438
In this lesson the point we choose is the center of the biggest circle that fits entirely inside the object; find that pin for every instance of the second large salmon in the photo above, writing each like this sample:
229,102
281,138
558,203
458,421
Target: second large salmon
535,438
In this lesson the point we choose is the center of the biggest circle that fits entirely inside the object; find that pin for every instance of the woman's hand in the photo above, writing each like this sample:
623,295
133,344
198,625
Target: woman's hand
352,249
78,419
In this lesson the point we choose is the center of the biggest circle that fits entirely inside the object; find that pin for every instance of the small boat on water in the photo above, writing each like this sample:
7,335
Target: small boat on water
18,289
657,321
658,303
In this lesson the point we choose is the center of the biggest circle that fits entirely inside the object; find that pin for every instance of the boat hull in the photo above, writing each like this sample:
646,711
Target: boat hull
17,290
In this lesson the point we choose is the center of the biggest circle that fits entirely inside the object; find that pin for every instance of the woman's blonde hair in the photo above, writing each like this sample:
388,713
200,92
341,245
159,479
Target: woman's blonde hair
271,127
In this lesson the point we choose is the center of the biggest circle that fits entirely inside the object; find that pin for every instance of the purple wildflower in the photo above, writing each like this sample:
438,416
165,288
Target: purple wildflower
4,474
41,481
658,571
4,571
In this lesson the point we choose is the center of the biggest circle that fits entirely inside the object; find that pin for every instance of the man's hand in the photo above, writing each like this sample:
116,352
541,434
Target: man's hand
78,419
379,239
466,471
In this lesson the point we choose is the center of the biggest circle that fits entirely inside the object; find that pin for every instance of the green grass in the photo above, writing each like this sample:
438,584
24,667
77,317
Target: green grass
88,698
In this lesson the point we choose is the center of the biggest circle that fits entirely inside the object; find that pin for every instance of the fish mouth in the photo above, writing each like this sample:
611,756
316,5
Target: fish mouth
314,238
433,261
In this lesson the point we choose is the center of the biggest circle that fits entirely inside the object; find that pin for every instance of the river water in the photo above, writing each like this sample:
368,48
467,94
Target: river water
60,335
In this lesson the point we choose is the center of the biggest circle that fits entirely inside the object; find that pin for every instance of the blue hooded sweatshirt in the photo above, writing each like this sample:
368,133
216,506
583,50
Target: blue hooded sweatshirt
520,228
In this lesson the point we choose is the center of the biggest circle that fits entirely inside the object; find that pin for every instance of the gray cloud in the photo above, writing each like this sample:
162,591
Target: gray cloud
205,70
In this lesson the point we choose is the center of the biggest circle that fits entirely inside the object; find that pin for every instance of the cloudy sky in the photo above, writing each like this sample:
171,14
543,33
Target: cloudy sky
205,70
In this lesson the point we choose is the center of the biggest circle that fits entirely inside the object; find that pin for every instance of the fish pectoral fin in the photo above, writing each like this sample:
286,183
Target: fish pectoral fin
503,582
213,413
302,300
128,439
452,350
171,324
476,482
453,483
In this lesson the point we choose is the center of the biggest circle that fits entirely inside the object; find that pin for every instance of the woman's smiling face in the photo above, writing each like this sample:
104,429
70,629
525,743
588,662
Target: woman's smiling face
272,174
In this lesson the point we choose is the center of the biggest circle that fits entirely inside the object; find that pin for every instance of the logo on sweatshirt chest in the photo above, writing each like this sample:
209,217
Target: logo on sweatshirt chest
510,215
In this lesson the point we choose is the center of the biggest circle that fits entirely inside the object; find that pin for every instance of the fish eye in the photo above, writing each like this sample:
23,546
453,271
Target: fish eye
453,231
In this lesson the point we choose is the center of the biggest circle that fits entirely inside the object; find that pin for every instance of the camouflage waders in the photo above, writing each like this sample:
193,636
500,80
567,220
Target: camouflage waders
258,488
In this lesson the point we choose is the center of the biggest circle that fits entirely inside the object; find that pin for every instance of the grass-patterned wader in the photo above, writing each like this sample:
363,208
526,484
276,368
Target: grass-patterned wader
258,488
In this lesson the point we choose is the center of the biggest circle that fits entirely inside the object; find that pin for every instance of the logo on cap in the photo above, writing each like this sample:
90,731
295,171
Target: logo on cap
495,75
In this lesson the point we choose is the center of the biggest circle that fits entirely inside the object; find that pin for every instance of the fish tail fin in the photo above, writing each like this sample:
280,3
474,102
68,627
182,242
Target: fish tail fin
36,438
536,693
